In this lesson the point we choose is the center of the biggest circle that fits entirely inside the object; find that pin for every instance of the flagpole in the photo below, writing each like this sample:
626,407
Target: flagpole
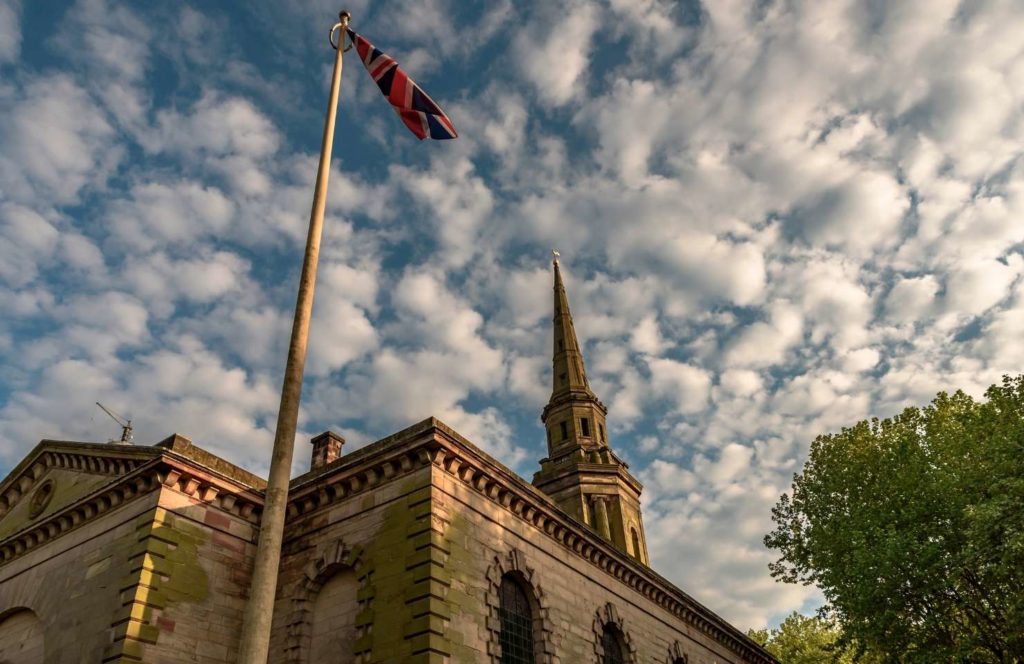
259,611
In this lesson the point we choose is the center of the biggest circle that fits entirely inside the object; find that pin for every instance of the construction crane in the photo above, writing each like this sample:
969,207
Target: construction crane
126,425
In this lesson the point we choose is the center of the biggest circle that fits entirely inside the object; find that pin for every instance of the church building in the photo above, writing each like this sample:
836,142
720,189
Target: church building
419,547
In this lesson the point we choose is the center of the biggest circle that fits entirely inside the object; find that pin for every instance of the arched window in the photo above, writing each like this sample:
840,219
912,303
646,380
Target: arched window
516,622
613,644
334,619
21,637
636,543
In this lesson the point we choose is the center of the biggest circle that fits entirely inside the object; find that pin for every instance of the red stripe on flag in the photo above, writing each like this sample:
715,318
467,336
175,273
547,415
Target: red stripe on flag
399,84
414,123
363,48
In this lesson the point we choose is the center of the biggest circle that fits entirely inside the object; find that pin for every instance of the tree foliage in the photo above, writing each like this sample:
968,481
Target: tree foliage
913,527
805,640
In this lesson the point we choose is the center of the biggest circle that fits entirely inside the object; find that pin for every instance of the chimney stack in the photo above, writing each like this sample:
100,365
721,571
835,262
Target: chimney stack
326,448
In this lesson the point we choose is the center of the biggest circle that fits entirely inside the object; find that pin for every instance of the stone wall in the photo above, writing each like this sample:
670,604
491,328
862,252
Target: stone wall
189,571
575,596
74,583
429,524
384,532
140,560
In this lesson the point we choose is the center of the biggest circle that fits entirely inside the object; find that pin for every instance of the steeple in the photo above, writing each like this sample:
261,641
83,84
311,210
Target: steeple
581,472
570,375
574,417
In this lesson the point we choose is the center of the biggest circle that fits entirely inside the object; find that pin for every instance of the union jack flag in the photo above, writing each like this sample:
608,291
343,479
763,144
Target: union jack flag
417,110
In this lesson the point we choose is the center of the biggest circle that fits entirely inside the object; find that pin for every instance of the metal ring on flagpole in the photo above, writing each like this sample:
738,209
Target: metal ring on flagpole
330,37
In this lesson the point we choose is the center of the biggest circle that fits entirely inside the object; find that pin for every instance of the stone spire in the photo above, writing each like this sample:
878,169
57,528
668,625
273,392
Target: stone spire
569,375
581,473
574,416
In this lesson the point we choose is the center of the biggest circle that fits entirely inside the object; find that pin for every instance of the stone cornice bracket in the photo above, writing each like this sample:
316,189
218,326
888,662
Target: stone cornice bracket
21,481
84,510
161,471
229,497
346,481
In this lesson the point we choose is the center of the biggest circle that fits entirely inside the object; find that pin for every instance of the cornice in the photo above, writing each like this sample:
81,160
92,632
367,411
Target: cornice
135,483
131,478
353,474
431,442
565,399
554,474
85,457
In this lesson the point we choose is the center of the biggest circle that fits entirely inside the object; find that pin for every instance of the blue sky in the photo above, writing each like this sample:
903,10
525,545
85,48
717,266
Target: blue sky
776,218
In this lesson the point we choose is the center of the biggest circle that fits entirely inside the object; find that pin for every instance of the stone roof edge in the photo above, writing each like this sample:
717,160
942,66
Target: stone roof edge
431,442
185,447
605,556
375,448
105,461
157,467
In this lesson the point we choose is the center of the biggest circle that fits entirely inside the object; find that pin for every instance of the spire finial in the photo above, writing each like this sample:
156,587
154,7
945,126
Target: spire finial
554,256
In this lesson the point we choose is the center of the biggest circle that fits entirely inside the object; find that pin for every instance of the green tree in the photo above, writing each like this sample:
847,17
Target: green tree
913,527
804,640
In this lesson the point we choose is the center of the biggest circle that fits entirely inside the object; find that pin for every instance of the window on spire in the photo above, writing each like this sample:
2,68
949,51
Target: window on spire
585,426
565,430
600,428
636,543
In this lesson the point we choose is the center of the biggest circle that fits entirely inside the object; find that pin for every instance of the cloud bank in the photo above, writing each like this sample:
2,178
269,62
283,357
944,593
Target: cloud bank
775,219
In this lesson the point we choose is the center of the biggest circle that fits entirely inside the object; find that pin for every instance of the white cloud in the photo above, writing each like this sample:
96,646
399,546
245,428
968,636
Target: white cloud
974,287
100,324
230,131
911,298
765,343
859,213
341,330
29,240
554,50
837,304
56,142
161,214
10,30
162,281
646,337
861,359
460,203
685,386
80,252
